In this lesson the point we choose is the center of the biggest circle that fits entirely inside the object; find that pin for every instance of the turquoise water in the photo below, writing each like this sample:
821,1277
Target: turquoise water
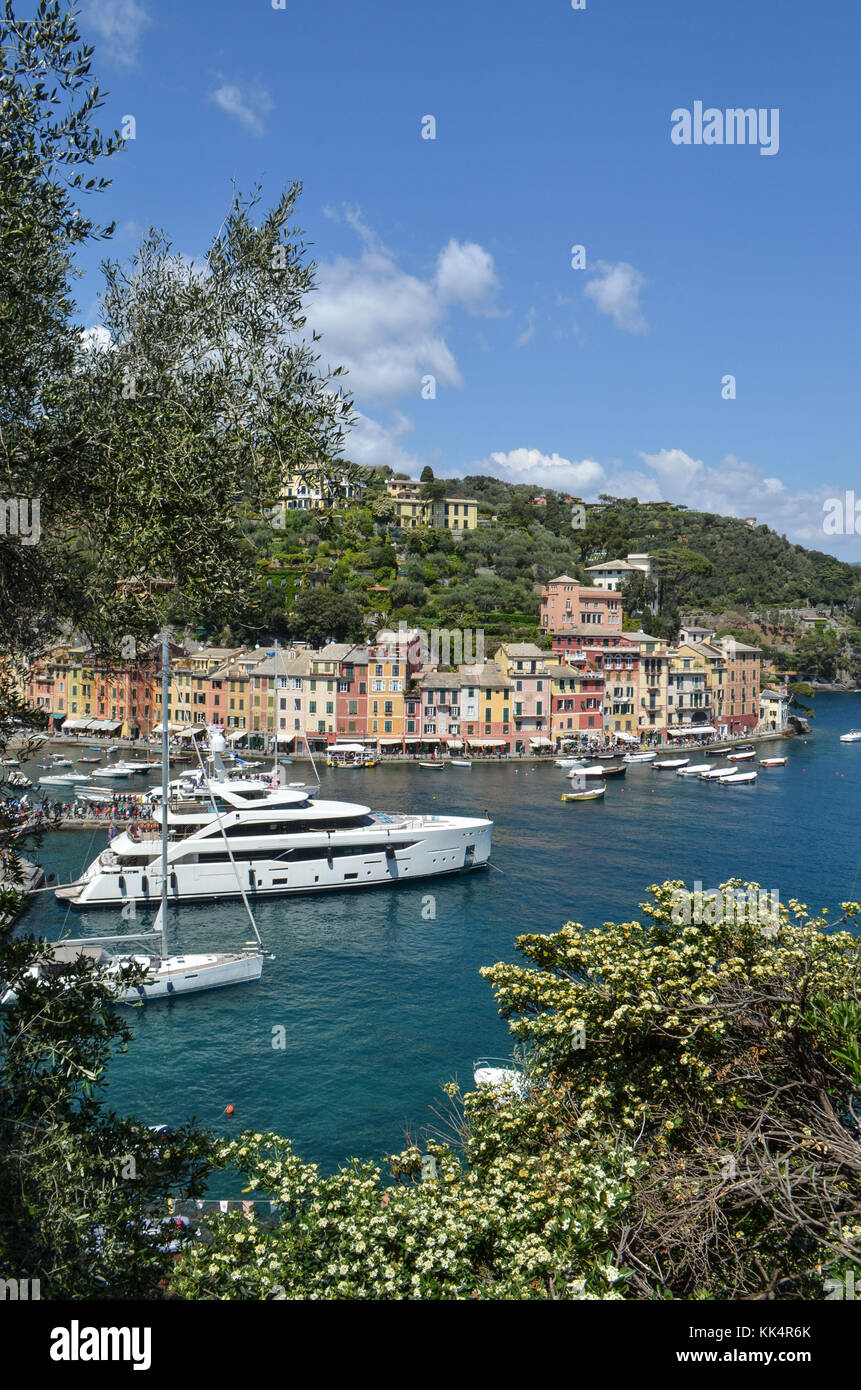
381,1004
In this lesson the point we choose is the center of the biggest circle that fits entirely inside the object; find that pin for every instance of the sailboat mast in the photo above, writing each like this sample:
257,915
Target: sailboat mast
275,768
165,681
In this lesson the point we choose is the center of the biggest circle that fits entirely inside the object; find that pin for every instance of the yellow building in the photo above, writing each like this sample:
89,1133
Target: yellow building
445,513
690,696
386,688
318,490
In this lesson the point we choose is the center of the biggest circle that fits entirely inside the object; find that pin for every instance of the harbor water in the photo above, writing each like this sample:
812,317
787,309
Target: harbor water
374,999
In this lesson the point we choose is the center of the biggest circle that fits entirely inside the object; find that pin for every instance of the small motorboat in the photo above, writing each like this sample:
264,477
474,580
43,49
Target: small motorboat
506,1077
63,779
853,736
670,764
736,778
594,770
772,762
714,774
436,766
461,762
89,760
618,771
639,757
743,756
592,794
10,762
718,752
693,770
57,760
111,772
568,762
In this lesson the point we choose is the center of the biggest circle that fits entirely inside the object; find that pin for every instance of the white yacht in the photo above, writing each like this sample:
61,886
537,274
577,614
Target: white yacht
231,836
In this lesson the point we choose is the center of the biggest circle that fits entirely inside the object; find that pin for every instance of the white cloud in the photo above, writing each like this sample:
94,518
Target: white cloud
386,325
615,290
465,275
547,470
119,24
96,339
375,445
528,333
731,488
249,107
737,488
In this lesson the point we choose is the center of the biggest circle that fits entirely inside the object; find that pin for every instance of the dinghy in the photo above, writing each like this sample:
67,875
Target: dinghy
591,795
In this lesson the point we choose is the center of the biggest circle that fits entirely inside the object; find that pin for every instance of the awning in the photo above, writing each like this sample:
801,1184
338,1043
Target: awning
455,743
75,724
236,735
691,729
412,740
540,742
487,742
390,742
171,728
626,738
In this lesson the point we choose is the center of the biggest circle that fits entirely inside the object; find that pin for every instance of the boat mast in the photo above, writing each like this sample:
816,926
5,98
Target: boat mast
275,767
165,680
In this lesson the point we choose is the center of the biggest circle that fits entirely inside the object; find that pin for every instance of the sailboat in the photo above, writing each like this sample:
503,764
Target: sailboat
167,975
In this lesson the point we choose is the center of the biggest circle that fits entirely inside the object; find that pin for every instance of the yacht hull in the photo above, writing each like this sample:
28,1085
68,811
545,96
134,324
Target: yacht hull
418,854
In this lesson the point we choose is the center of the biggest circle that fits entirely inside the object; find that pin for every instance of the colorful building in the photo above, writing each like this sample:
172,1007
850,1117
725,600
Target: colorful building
576,617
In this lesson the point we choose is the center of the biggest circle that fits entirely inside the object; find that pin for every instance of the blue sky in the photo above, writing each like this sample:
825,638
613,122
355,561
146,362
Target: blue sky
451,257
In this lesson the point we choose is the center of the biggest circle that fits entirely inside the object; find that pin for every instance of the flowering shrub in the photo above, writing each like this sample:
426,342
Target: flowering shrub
689,1128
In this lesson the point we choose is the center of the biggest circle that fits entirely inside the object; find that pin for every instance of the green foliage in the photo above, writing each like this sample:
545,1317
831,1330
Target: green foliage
687,1127
322,615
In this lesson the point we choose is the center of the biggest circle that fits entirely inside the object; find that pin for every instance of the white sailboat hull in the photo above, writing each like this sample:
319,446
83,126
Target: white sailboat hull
190,974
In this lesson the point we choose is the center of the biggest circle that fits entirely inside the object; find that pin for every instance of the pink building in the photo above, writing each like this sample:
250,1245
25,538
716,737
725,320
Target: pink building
578,617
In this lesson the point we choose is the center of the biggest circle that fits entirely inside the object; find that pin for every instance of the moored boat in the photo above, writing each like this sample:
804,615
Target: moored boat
639,757
772,762
592,794
744,755
854,736
670,764
737,778
693,770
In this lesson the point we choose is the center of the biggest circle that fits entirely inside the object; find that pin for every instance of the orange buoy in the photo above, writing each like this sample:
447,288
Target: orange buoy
228,1110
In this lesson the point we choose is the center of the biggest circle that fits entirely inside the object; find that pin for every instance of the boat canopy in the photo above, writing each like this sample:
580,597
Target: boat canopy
346,748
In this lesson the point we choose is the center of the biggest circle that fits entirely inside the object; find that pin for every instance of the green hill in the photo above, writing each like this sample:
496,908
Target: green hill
490,577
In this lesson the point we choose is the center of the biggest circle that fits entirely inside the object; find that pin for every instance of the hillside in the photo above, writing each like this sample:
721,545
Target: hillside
339,572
